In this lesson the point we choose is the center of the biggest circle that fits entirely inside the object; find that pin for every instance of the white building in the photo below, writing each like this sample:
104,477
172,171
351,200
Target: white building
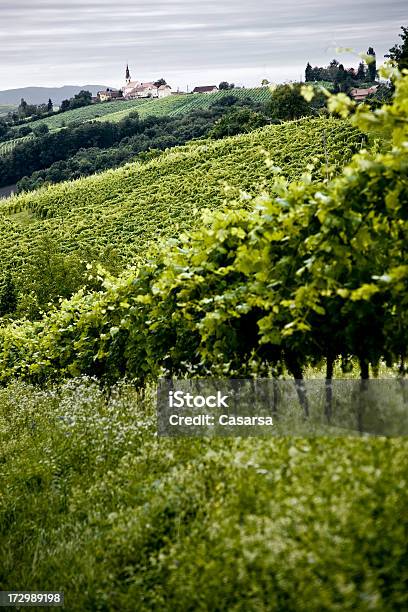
164,91
135,89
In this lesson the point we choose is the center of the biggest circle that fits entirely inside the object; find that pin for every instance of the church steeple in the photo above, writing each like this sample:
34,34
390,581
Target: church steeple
127,73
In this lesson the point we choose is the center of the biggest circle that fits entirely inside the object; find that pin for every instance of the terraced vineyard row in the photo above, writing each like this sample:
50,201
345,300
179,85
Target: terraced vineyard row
8,146
179,105
129,207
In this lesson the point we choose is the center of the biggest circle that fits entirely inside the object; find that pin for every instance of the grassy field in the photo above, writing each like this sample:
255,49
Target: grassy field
94,504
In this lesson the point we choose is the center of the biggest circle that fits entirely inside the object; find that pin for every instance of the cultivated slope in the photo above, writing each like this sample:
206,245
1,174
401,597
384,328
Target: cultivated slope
129,207
180,105
116,110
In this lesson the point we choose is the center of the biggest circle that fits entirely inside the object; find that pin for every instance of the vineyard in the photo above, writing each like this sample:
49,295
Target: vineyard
255,309
178,105
131,207
8,146
116,110
85,113
279,253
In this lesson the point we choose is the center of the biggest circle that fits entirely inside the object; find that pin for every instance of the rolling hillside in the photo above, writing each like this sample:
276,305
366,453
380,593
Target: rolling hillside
116,110
129,207
93,499
8,145
178,105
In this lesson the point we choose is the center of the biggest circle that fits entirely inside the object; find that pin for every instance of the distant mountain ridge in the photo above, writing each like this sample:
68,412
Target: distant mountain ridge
38,95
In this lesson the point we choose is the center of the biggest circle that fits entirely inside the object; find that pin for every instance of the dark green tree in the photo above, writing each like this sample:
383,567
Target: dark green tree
83,98
8,295
24,130
238,122
341,74
309,73
50,106
399,53
372,65
224,85
22,109
41,129
288,103
3,128
331,71
361,72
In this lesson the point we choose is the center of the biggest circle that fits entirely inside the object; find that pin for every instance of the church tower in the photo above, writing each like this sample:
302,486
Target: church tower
127,75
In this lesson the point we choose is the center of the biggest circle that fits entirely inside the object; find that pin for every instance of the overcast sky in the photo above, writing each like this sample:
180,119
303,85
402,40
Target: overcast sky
61,42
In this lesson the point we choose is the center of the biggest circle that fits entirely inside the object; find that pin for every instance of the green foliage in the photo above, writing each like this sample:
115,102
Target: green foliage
341,78
125,140
372,64
238,122
134,206
172,105
399,53
40,130
288,103
24,130
8,295
93,503
309,272
225,85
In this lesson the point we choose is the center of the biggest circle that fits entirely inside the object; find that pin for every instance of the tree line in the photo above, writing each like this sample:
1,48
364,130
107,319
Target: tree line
28,113
344,78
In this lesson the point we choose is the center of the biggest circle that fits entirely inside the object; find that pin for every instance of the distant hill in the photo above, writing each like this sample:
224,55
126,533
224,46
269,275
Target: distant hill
6,108
37,95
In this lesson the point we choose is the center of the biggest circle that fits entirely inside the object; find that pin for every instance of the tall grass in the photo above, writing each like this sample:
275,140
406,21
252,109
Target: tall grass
94,503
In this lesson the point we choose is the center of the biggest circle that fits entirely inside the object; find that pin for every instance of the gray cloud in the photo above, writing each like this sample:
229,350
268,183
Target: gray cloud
54,42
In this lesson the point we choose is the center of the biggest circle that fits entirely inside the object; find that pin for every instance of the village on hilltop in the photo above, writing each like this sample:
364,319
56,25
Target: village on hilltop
133,90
